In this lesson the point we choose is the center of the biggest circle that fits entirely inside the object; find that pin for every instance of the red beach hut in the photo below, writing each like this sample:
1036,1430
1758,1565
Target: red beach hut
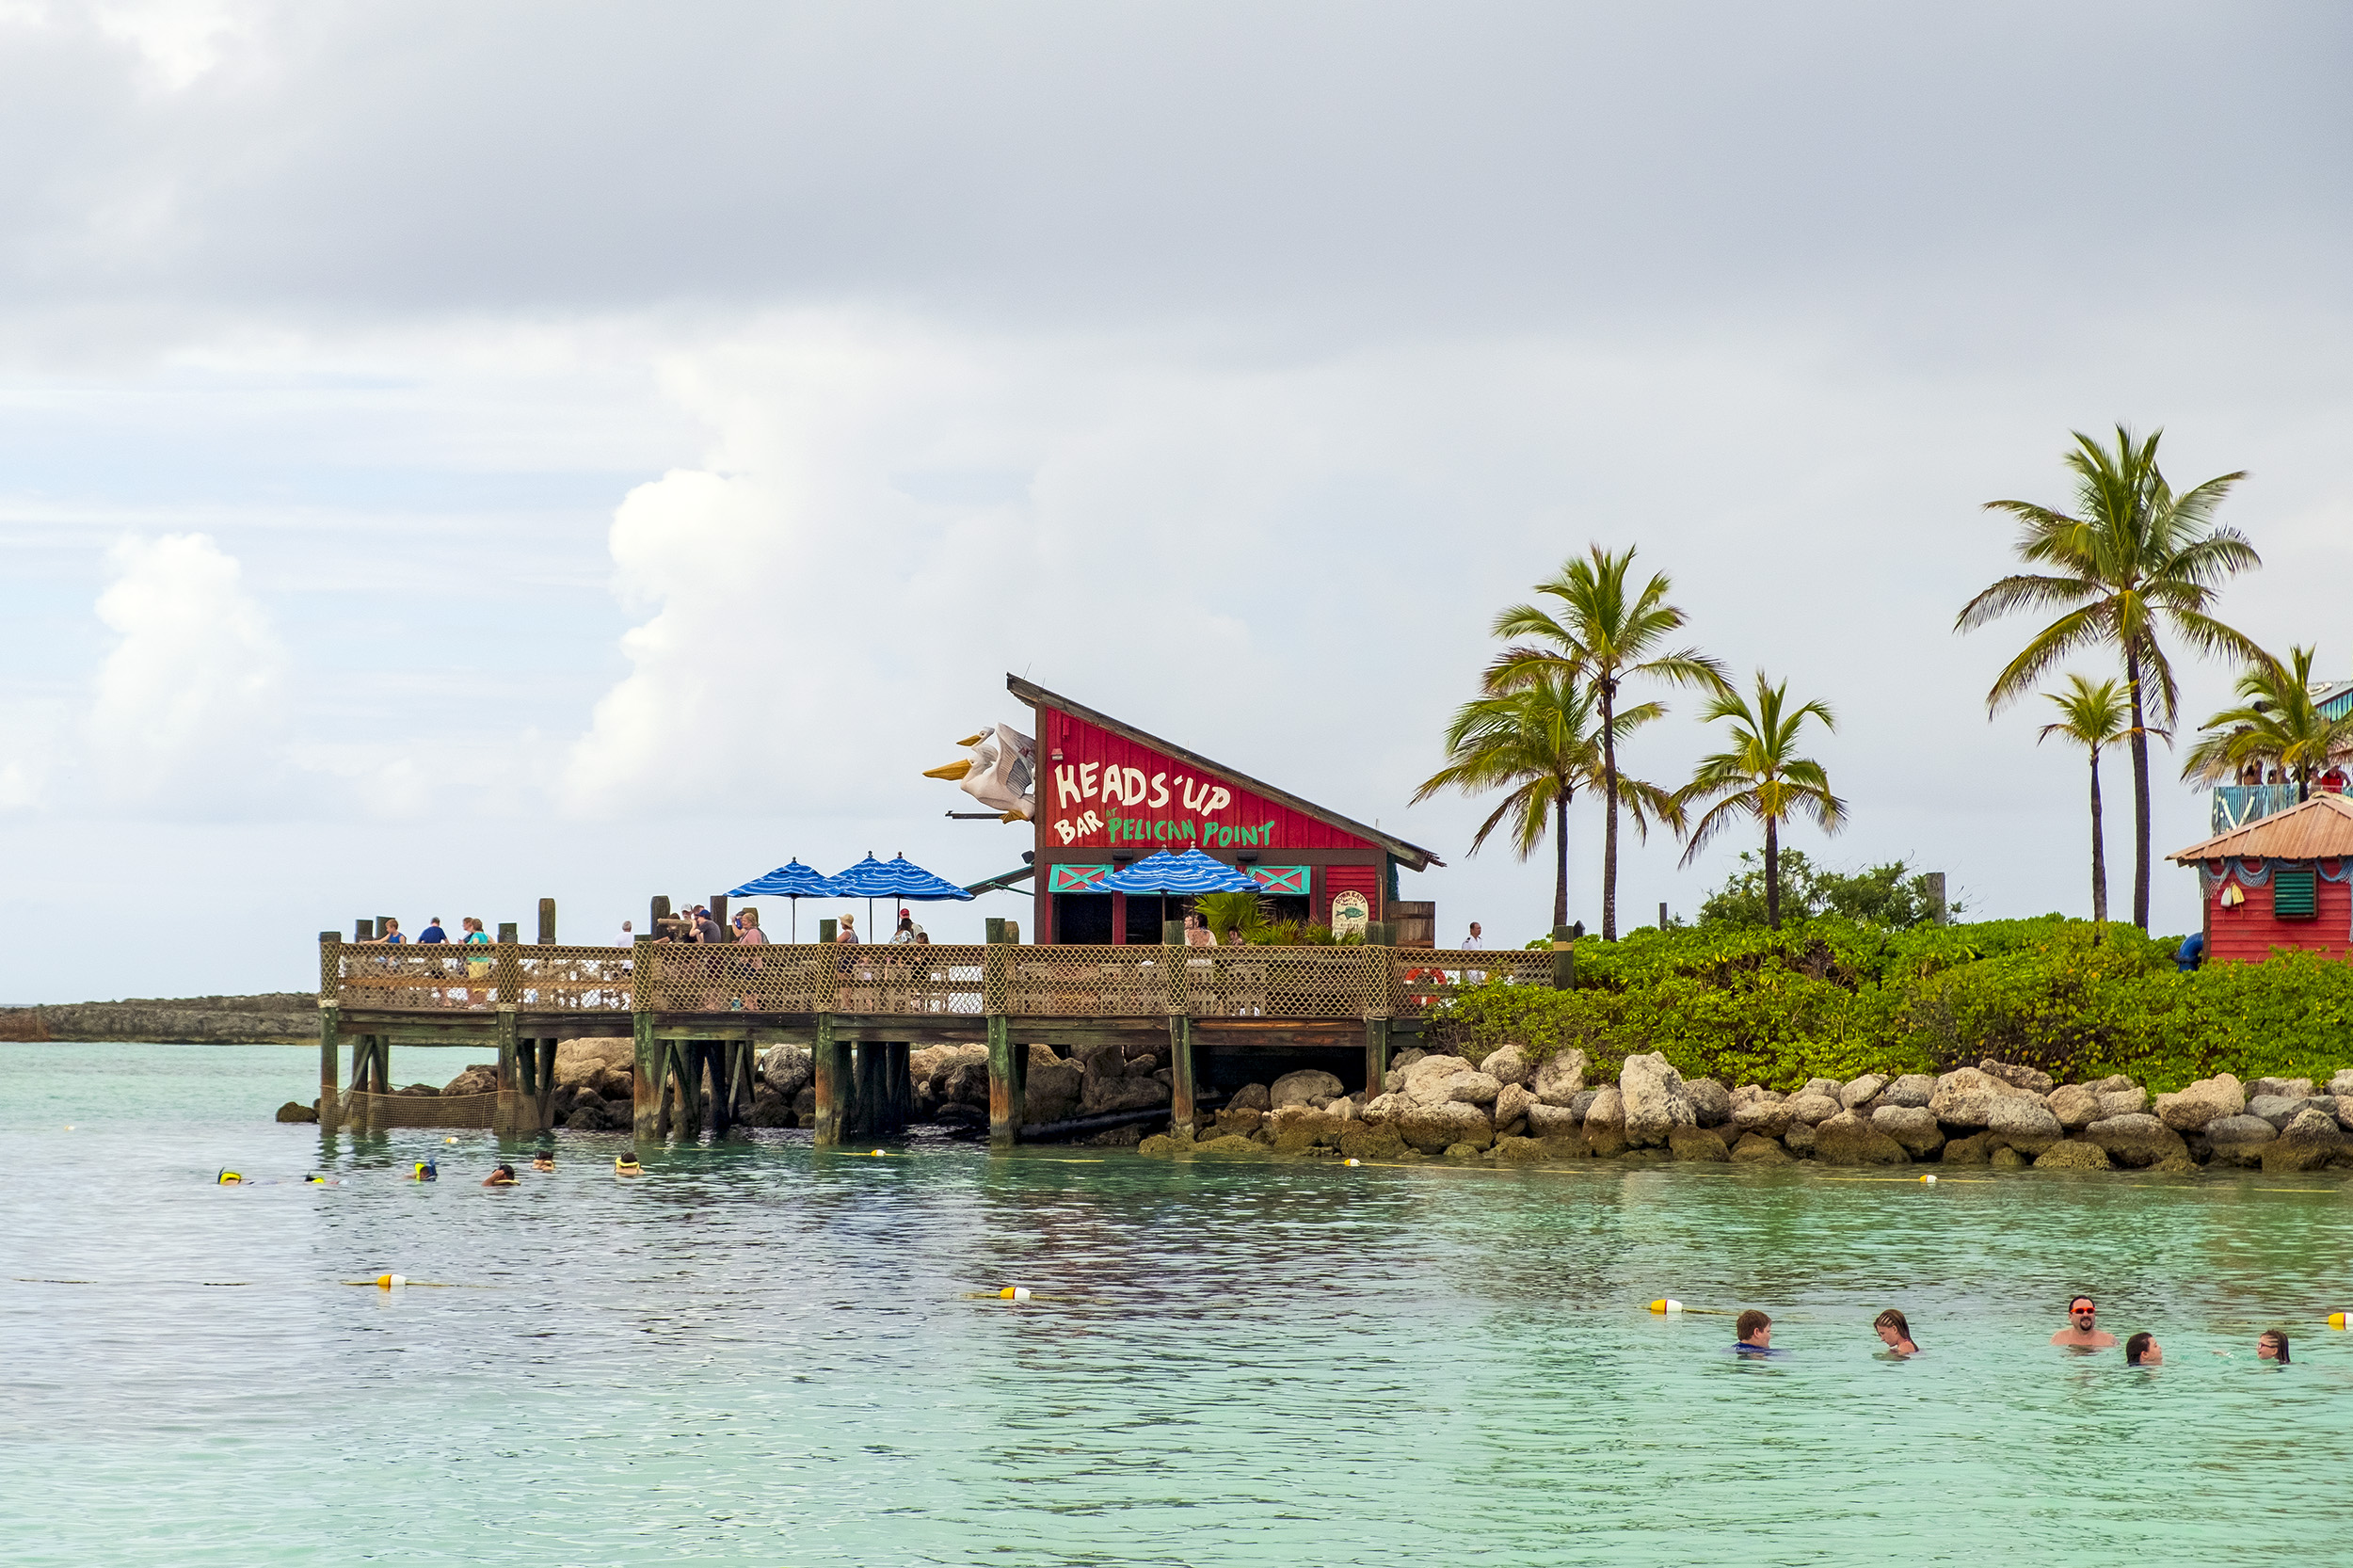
2285,881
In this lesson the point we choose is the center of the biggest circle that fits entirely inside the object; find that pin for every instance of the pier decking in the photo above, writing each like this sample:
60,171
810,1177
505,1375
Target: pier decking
698,1015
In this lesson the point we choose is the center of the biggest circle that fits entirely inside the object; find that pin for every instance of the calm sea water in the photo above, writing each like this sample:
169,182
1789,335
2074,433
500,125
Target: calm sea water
759,1354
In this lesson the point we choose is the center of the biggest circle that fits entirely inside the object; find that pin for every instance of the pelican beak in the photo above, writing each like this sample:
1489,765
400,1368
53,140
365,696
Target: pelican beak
973,739
951,770
1015,816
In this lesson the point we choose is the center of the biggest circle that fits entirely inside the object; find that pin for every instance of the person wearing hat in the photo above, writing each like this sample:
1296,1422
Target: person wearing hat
908,930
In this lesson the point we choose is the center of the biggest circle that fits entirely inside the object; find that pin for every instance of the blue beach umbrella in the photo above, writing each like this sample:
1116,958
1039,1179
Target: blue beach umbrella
1183,874
896,878
790,880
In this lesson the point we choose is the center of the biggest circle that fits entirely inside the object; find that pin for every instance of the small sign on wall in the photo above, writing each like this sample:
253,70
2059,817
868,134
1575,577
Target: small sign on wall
1351,913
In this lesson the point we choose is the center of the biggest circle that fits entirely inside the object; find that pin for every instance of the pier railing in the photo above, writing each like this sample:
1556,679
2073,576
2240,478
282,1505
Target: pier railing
1054,982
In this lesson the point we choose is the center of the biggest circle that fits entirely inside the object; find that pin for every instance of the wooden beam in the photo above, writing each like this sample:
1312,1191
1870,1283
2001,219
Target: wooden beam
1376,1055
1180,1071
1008,1082
546,922
832,1059
646,1083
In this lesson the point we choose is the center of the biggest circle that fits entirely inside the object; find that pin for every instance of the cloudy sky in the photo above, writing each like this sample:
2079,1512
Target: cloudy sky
453,454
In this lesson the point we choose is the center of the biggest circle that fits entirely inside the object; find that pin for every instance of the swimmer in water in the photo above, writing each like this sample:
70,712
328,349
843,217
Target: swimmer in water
2273,1346
2080,1333
503,1176
543,1161
229,1178
1894,1333
1756,1332
2142,1350
427,1170
626,1165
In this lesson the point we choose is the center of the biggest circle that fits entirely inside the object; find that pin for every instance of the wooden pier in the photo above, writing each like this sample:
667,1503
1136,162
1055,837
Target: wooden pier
699,1014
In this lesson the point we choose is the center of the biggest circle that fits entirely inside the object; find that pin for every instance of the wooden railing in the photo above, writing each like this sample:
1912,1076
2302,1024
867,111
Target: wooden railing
940,980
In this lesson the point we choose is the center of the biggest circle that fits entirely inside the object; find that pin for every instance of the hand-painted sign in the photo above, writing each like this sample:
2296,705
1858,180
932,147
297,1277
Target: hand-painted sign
1351,913
1282,881
1097,790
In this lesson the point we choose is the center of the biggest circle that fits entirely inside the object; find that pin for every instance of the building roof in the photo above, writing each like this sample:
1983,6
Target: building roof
1413,856
2319,829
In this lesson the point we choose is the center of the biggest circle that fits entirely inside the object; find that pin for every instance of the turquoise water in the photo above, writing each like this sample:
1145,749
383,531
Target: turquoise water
761,1354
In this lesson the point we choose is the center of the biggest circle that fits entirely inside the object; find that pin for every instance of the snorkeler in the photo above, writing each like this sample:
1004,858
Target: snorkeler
1756,1332
626,1165
503,1176
2142,1350
1894,1333
425,1171
2080,1334
229,1178
543,1161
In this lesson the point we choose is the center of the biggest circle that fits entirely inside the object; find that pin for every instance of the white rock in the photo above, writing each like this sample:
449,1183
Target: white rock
1507,1065
1561,1076
1301,1087
1654,1101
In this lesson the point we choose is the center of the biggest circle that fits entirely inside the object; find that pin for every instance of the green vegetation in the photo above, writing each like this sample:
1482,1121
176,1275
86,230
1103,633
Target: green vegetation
2091,717
1762,777
2276,722
1832,997
2136,560
1891,896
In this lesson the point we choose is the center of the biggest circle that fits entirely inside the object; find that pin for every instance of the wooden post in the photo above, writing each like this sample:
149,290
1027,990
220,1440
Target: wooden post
828,930
901,1096
1934,884
1564,957
1182,1087
505,1118
686,1105
505,972
546,922
364,930
1662,915
1376,1056
1008,1065
330,1045
719,912
646,1090
656,912
831,1058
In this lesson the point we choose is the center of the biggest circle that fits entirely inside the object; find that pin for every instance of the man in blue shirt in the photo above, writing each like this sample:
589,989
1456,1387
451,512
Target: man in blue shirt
1756,1335
433,932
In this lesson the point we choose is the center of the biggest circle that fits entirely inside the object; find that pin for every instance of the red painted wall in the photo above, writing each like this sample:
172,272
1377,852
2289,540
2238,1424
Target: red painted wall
1175,805
2249,933
1349,879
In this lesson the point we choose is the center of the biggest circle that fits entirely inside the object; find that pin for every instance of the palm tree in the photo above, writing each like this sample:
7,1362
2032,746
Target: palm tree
2137,559
1539,739
2092,716
1603,635
1762,776
2279,723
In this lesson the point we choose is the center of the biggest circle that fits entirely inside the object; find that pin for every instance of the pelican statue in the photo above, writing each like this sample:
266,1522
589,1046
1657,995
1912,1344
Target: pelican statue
1002,772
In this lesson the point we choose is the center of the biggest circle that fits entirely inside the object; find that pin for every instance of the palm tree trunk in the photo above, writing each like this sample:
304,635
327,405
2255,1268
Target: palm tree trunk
2099,854
2141,794
1610,817
1560,852
1772,873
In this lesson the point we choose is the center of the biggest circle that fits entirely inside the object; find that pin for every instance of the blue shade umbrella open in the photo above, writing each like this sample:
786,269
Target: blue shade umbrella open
790,880
1183,874
895,878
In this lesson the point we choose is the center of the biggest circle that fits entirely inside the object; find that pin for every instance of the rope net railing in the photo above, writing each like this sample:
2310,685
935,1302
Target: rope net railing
477,1112
920,979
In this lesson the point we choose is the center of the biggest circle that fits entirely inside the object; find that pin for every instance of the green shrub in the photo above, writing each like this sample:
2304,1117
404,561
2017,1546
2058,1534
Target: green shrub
1831,998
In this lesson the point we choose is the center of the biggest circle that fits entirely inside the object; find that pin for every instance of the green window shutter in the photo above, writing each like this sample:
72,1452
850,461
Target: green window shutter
2293,897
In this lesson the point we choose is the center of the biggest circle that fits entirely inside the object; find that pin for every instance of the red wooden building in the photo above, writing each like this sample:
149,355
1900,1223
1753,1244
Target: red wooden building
2285,881
1108,793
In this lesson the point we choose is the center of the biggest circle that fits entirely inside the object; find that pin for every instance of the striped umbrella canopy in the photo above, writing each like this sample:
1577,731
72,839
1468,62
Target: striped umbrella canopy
896,878
792,881
1179,875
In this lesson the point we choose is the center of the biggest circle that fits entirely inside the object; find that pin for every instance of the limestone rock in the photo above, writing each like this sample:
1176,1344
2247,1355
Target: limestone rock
2130,1100
1696,1144
2070,1154
2279,1110
2073,1105
1528,1151
294,1110
1240,1121
1861,1091
1253,1096
2006,1159
1654,1101
1346,1110
1827,1086
1227,1146
2025,1125
1052,1093
1768,1115
1965,1097
2286,1088
1798,1140
480,1078
1847,1139
2032,1081
1300,1087
2209,1099
1511,1106
2306,1144
1913,1125
804,1105
1159,1147
1383,1109
1581,1103
1975,1149
1398,1064
770,1110
1472,1088
1605,1123
1754,1149
1507,1065
779,1062
1913,1089
1303,1126
1434,1129
1811,1108
1429,1080
2236,1139
2135,1139
1710,1100
578,1060
789,1069
2175,1164
1464,1150
1364,1141
2341,1083
1551,1121
1561,1076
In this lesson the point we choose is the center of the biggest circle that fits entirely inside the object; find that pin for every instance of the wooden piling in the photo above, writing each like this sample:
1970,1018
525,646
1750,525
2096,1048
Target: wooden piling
1564,956
645,1082
1008,1065
1182,1084
546,922
364,930
330,1019
507,1116
831,1060
1376,1056
717,904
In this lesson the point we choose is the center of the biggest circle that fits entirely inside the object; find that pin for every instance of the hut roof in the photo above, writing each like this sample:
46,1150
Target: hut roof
2321,829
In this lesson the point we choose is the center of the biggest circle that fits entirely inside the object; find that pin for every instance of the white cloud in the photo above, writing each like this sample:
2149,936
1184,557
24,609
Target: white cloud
190,698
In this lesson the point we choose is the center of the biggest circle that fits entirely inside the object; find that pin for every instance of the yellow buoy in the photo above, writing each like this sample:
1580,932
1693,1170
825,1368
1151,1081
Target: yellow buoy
1930,1179
878,1153
1014,1293
451,1140
1356,1161
1666,1303
2336,1319
386,1282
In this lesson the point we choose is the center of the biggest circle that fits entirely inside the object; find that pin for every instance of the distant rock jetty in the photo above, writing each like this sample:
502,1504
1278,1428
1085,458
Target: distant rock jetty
1508,1108
277,1018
